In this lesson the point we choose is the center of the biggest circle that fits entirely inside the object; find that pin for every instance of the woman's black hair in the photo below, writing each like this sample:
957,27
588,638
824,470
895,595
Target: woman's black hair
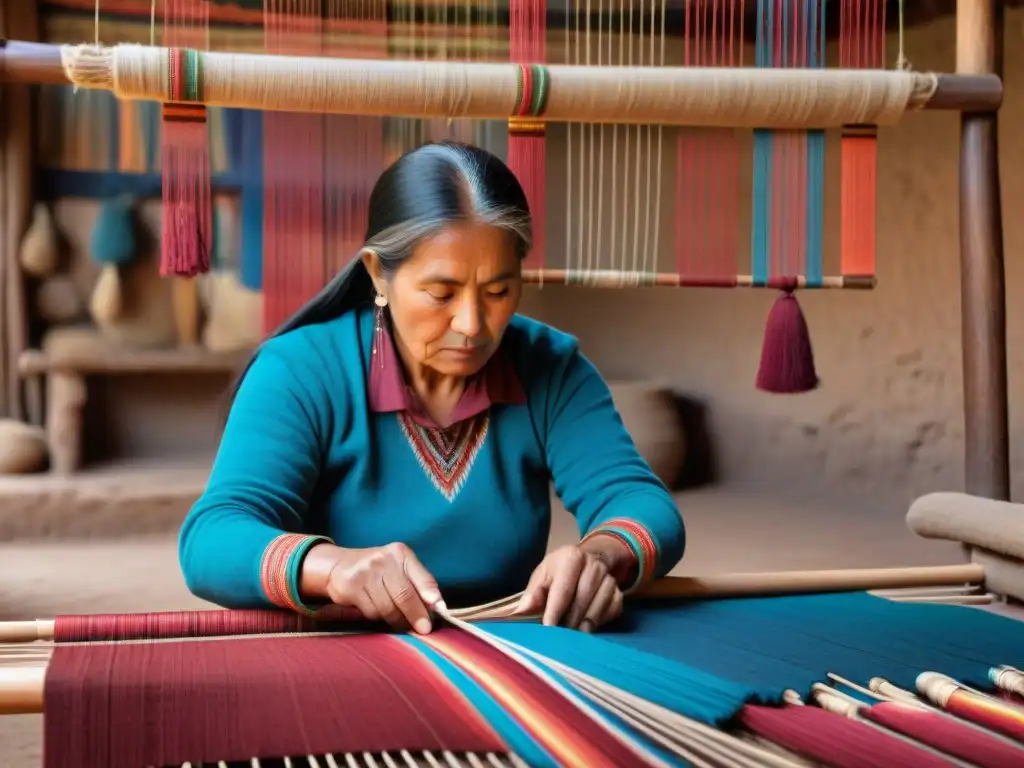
424,191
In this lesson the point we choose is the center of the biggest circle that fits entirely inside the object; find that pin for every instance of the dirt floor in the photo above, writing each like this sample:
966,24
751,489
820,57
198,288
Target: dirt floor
728,531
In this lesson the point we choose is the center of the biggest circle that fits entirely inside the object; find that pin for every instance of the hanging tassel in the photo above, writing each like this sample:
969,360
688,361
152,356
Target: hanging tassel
787,360
187,205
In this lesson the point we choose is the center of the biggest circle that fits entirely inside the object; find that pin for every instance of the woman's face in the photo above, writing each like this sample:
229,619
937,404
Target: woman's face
451,301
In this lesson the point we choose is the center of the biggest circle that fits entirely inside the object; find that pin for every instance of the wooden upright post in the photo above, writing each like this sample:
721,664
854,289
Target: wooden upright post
979,50
16,145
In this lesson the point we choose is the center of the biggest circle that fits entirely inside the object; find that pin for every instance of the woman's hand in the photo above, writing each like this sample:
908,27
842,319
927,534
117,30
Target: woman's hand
385,583
575,587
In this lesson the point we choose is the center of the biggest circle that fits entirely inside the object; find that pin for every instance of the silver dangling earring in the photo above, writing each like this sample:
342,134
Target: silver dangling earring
380,301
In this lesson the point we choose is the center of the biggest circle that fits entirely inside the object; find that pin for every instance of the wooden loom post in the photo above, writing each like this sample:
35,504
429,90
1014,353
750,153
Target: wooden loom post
979,51
16,146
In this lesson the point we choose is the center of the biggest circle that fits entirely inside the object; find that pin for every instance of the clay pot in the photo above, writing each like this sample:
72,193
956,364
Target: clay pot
23,448
650,416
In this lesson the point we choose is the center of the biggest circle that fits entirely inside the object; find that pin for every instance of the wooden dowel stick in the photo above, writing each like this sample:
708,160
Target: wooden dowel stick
623,279
806,582
21,689
715,586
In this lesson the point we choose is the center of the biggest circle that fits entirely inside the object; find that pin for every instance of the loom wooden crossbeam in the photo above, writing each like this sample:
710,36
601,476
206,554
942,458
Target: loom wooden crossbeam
690,96
699,588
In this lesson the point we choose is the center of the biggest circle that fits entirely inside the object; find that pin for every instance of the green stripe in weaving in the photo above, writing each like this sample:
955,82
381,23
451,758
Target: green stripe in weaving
539,99
192,75
520,87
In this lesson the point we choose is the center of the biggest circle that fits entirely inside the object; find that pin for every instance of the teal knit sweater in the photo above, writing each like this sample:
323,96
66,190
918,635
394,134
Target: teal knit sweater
303,459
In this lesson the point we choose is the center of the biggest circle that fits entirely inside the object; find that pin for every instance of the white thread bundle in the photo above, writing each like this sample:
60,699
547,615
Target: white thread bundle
707,97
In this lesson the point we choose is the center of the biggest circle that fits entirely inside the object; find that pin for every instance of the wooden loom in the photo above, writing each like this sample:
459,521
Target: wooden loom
76,664
635,138
975,90
977,94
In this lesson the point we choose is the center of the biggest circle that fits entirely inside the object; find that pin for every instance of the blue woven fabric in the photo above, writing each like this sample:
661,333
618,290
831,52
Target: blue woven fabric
771,644
705,659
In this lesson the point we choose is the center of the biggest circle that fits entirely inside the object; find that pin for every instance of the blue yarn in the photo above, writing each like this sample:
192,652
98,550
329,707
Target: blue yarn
676,686
113,235
150,118
815,41
251,166
114,134
771,644
760,245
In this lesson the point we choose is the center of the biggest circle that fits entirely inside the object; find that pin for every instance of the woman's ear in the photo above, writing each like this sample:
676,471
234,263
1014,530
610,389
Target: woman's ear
372,263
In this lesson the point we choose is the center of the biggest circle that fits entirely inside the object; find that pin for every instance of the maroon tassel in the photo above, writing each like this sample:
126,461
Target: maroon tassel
187,200
787,360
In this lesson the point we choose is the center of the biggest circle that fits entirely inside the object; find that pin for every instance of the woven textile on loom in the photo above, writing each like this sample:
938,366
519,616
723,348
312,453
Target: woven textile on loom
699,683
624,219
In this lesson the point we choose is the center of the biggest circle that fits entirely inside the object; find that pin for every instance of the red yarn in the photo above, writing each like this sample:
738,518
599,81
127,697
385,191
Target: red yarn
955,738
833,740
188,207
125,705
179,624
787,360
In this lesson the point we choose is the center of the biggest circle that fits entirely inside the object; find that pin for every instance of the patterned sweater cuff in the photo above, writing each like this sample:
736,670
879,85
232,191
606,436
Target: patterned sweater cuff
639,541
281,567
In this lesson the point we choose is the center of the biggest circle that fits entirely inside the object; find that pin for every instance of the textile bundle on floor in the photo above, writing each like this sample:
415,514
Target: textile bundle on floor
744,682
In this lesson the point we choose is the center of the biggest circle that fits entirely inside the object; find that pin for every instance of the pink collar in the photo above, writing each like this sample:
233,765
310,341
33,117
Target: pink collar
496,384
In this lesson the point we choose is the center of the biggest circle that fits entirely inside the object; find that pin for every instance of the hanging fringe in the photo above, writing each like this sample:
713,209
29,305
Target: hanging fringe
527,153
185,166
787,359
527,158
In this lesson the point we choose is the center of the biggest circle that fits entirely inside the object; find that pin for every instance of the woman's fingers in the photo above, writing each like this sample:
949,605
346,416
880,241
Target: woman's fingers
606,605
388,584
589,583
563,587
385,607
406,599
423,581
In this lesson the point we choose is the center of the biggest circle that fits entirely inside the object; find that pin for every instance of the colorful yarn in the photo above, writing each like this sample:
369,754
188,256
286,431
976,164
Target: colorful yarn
954,738
834,741
640,543
986,711
569,735
280,568
184,75
532,85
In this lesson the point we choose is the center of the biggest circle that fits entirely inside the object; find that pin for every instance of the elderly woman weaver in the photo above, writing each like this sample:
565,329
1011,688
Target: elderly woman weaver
394,453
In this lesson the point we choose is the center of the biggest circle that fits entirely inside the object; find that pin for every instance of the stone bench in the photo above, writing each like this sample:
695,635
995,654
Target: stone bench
993,532
70,355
